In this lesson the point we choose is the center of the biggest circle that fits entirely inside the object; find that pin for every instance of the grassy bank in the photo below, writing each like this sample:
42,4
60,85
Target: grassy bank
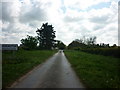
20,62
95,71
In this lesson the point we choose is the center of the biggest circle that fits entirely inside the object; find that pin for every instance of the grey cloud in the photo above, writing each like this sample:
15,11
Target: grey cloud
112,28
34,14
0,11
71,19
9,29
13,34
119,3
99,20
98,27
32,25
12,28
6,12
9,38
79,31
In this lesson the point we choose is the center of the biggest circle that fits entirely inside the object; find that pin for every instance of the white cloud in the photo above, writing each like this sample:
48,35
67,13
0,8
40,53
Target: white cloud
71,19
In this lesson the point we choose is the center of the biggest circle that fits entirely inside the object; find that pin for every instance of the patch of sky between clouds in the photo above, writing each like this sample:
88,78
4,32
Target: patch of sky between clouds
63,8
97,6
101,5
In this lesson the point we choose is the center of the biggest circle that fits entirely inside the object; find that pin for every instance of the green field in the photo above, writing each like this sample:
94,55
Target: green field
95,71
16,64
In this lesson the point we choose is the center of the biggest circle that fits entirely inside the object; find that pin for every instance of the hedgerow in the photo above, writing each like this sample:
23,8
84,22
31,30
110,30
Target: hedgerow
104,51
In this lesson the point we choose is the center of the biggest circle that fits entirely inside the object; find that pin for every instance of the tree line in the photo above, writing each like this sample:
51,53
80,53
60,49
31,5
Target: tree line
45,39
89,45
88,42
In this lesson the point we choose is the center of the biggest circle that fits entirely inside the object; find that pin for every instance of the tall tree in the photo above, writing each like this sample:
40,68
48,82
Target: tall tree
46,36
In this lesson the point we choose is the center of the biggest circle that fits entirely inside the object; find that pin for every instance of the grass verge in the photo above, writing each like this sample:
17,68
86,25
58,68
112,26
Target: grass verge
16,64
95,71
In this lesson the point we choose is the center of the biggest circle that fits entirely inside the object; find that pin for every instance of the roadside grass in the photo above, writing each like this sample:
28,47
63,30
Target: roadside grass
95,71
16,64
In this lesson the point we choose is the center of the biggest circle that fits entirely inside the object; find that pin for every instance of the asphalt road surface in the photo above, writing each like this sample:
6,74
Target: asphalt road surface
56,72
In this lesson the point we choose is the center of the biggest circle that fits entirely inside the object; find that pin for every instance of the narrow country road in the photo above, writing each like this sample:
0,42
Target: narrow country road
54,73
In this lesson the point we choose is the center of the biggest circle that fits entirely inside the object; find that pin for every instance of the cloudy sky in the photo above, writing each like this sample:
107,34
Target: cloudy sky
71,19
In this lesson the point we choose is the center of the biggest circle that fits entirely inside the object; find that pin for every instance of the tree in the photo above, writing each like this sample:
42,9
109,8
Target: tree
60,44
114,45
30,42
91,41
79,40
87,41
46,36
